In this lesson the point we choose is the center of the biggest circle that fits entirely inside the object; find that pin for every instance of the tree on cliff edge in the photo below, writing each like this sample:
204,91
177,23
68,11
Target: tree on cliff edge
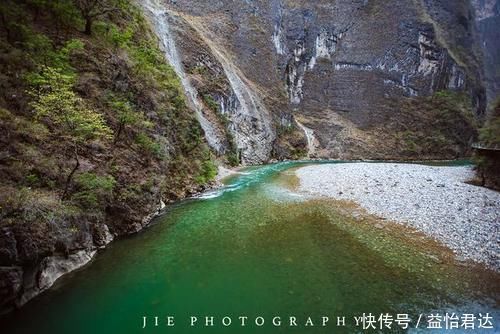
72,122
93,9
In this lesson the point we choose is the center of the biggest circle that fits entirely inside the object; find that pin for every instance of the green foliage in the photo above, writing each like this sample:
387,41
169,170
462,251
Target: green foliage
149,62
210,102
489,135
55,101
453,106
232,158
42,52
285,130
93,189
232,152
120,38
38,46
131,192
124,109
41,47
298,153
199,70
149,145
113,35
64,12
32,179
126,114
443,123
208,172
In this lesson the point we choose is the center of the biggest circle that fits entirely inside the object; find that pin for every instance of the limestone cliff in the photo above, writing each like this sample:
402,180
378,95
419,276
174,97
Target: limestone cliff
346,76
488,22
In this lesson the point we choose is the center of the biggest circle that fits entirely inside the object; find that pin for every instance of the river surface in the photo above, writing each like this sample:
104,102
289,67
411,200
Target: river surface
257,248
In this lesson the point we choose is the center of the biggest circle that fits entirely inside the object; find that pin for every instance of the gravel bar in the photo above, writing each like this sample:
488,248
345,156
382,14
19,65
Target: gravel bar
434,200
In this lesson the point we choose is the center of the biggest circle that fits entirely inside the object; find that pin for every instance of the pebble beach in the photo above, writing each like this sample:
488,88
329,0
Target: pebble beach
434,200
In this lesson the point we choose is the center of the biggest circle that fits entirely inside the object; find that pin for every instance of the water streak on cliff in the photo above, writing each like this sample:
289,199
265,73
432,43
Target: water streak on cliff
311,139
159,18
250,121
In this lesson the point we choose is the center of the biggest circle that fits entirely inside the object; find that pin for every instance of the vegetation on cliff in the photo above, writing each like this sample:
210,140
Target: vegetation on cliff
490,132
439,126
488,158
95,128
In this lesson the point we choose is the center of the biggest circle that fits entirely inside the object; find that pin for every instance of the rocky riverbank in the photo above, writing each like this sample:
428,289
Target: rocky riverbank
127,141
434,200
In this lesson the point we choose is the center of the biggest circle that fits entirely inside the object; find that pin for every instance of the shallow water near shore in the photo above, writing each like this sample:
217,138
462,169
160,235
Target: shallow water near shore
257,248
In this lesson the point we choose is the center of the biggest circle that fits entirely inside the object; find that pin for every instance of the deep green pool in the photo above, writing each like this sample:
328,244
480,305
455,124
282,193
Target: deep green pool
256,248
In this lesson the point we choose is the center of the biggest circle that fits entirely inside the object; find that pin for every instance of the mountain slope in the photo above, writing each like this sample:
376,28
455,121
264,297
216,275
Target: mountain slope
96,133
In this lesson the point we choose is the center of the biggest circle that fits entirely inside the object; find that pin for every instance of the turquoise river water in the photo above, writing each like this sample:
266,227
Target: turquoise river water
256,248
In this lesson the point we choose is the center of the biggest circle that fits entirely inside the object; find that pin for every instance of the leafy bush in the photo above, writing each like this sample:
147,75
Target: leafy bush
208,172
490,134
125,114
93,190
232,152
210,102
149,145
32,179
55,101
64,12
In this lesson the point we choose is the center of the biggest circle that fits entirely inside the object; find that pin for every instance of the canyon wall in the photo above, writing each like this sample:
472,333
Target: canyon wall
488,23
180,86
337,79
66,192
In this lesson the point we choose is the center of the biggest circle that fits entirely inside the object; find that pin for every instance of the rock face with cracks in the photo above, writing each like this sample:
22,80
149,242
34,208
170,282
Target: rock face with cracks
345,69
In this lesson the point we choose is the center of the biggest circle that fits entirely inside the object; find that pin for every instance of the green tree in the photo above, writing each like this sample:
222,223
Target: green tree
93,9
72,121
490,133
125,113
93,190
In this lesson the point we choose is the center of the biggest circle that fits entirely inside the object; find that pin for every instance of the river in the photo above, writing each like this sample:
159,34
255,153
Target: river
257,248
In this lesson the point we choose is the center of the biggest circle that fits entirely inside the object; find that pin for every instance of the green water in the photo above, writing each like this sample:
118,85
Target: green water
256,248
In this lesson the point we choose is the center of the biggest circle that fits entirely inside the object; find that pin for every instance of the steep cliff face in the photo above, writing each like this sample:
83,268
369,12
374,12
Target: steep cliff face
488,22
339,72
64,191
236,122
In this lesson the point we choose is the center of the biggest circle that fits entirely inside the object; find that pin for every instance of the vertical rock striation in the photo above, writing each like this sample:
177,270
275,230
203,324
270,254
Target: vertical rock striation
345,68
159,18
248,121
488,23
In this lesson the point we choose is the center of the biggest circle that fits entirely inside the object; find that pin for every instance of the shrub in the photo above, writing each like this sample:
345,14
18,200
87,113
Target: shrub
93,189
32,179
490,133
208,172
125,113
55,101
148,144
210,102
